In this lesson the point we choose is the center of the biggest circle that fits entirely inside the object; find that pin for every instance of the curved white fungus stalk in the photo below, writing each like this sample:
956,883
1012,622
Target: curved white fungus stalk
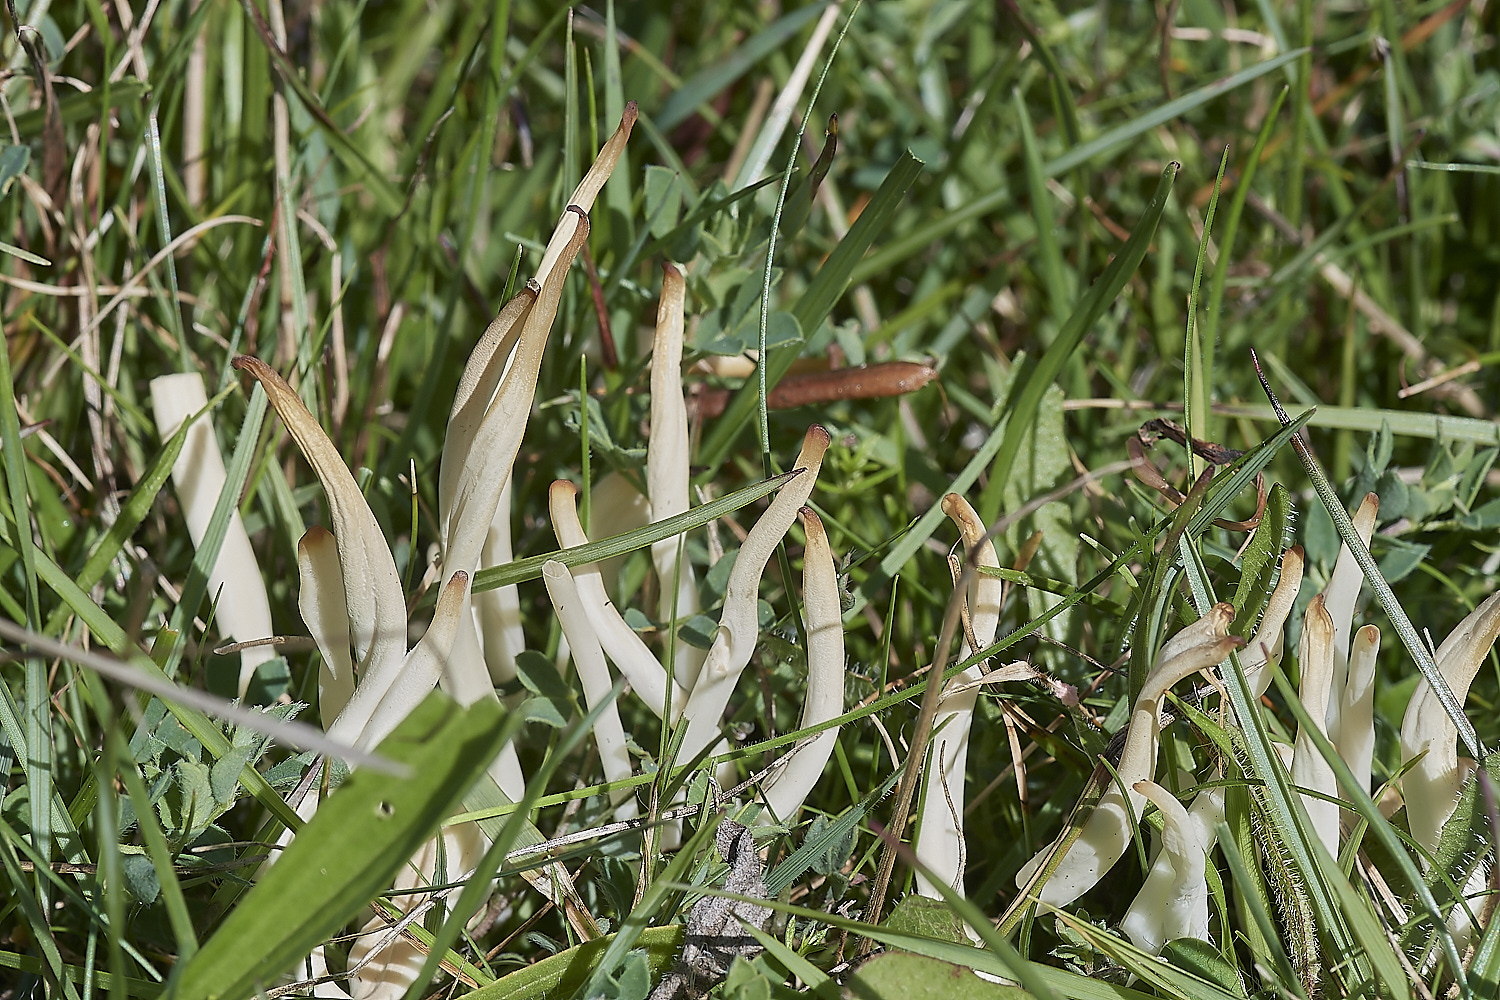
493,404
1310,770
1357,722
804,763
940,839
241,610
486,425
738,628
1144,921
1174,901
428,660
1269,639
667,468
1340,595
629,652
588,657
497,613
1106,834
321,601
372,590
1431,786
385,961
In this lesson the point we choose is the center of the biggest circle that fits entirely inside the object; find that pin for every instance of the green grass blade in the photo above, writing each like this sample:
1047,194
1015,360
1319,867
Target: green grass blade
1198,364
706,84
1023,407
923,236
350,851
1054,278
1237,200
617,545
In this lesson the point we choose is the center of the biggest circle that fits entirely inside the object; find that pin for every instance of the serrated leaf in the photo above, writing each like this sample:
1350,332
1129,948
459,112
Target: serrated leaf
1258,564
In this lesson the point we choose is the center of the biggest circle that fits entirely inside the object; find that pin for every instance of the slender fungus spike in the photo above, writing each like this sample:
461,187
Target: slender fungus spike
1431,786
1174,903
787,791
1106,834
1266,645
738,625
940,841
588,656
424,665
1340,595
243,612
1357,727
372,591
497,613
321,601
1309,769
631,656
667,467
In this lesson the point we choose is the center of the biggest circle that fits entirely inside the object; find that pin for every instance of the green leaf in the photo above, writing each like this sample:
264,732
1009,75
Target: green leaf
350,851
13,160
663,199
897,975
1258,564
928,917
1023,406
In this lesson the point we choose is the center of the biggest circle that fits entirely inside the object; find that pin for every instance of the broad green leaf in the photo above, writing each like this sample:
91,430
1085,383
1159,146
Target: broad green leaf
897,975
350,851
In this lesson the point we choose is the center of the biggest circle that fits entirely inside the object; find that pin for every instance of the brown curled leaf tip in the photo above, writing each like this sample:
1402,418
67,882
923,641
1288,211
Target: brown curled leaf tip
890,378
632,109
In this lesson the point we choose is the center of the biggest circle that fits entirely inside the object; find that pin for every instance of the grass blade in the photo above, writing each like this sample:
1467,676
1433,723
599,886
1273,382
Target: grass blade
1023,408
530,568
350,850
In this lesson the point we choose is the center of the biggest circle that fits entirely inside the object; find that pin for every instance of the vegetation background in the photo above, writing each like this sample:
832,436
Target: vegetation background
342,189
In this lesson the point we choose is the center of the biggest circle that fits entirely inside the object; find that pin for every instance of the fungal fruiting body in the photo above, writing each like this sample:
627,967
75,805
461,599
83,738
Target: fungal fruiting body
1173,903
940,845
241,609
1310,770
1431,786
738,629
1106,834
803,764
484,433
